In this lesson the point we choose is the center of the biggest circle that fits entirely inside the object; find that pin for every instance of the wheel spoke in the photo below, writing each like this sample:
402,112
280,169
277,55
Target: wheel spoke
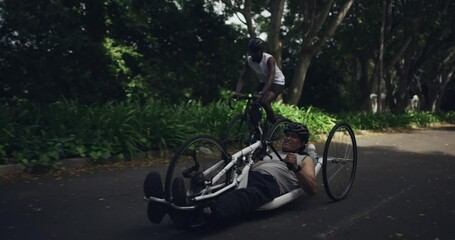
197,161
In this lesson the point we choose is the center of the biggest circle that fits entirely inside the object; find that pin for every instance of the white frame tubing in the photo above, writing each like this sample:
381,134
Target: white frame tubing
238,177
238,156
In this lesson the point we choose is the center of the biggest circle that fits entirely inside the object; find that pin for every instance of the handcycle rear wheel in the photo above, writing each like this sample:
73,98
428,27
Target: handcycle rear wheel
198,160
339,161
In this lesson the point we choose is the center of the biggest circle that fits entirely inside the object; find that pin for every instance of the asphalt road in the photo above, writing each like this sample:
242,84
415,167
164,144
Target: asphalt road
404,189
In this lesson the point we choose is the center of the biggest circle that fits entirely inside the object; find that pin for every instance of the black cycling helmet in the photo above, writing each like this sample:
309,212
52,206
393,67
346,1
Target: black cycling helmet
300,129
256,44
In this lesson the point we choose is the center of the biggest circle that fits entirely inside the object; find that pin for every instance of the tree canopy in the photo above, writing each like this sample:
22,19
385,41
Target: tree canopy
177,50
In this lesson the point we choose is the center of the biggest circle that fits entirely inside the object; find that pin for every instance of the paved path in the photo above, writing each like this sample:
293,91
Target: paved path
404,189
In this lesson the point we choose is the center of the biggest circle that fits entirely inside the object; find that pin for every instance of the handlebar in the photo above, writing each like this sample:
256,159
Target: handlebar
244,97
247,97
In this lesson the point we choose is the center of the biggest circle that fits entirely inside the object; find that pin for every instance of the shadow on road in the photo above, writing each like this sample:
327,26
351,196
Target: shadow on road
445,128
396,193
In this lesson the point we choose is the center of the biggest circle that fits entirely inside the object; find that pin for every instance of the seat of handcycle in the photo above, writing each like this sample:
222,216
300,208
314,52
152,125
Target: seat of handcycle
278,201
283,199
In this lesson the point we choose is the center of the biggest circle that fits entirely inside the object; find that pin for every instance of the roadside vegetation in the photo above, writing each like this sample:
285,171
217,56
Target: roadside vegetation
38,135
76,77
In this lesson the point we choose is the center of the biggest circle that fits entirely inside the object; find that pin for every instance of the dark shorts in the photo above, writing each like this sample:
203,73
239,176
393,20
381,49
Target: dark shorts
261,189
275,88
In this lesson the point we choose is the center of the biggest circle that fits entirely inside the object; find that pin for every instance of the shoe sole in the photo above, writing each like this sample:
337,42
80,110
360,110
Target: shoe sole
153,187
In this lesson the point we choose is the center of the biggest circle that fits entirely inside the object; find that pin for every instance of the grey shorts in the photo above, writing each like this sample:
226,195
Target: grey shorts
275,88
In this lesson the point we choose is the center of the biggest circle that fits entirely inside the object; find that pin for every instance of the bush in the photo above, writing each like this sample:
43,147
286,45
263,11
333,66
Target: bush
369,121
315,119
37,136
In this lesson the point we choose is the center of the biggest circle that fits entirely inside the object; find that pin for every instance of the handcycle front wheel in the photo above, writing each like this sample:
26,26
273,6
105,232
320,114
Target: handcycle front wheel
275,135
198,160
339,161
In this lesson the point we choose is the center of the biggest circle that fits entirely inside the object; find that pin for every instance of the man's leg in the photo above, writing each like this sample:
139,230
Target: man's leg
266,103
261,189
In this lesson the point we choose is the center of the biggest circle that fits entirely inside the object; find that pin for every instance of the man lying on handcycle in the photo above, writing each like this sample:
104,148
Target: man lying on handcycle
268,179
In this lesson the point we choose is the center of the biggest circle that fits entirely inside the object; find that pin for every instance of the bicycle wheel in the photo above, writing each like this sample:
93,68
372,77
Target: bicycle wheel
339,161
236,134
275,134
198,160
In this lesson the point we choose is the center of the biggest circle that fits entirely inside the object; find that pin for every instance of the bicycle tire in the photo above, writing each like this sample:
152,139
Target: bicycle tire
275,133
237,133
200,152
339,161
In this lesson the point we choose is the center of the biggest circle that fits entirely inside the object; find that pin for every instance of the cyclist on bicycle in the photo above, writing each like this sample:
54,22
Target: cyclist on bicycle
267,180
271,79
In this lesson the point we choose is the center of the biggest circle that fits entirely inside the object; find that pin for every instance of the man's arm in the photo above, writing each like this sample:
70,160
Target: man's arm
307,177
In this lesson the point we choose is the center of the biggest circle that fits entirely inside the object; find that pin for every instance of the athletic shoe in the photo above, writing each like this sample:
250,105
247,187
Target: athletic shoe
153,187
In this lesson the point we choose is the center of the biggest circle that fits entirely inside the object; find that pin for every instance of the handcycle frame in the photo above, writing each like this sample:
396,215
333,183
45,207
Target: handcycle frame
244,158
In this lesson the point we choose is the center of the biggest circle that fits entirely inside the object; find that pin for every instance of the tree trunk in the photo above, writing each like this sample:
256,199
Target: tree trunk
402,94
274,39
379,75
365,84
309,48
433,101
298,79
437,88
246,13
309,28
389,101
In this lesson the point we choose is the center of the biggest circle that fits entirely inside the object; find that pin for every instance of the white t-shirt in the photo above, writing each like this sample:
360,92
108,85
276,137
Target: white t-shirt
262,70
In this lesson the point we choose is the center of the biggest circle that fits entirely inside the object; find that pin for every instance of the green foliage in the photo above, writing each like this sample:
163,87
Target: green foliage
51,49
385,121
212,116
315,119
99,51
38,135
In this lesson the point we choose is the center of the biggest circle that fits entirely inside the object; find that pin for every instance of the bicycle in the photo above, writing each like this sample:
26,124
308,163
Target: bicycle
209,170
247,127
